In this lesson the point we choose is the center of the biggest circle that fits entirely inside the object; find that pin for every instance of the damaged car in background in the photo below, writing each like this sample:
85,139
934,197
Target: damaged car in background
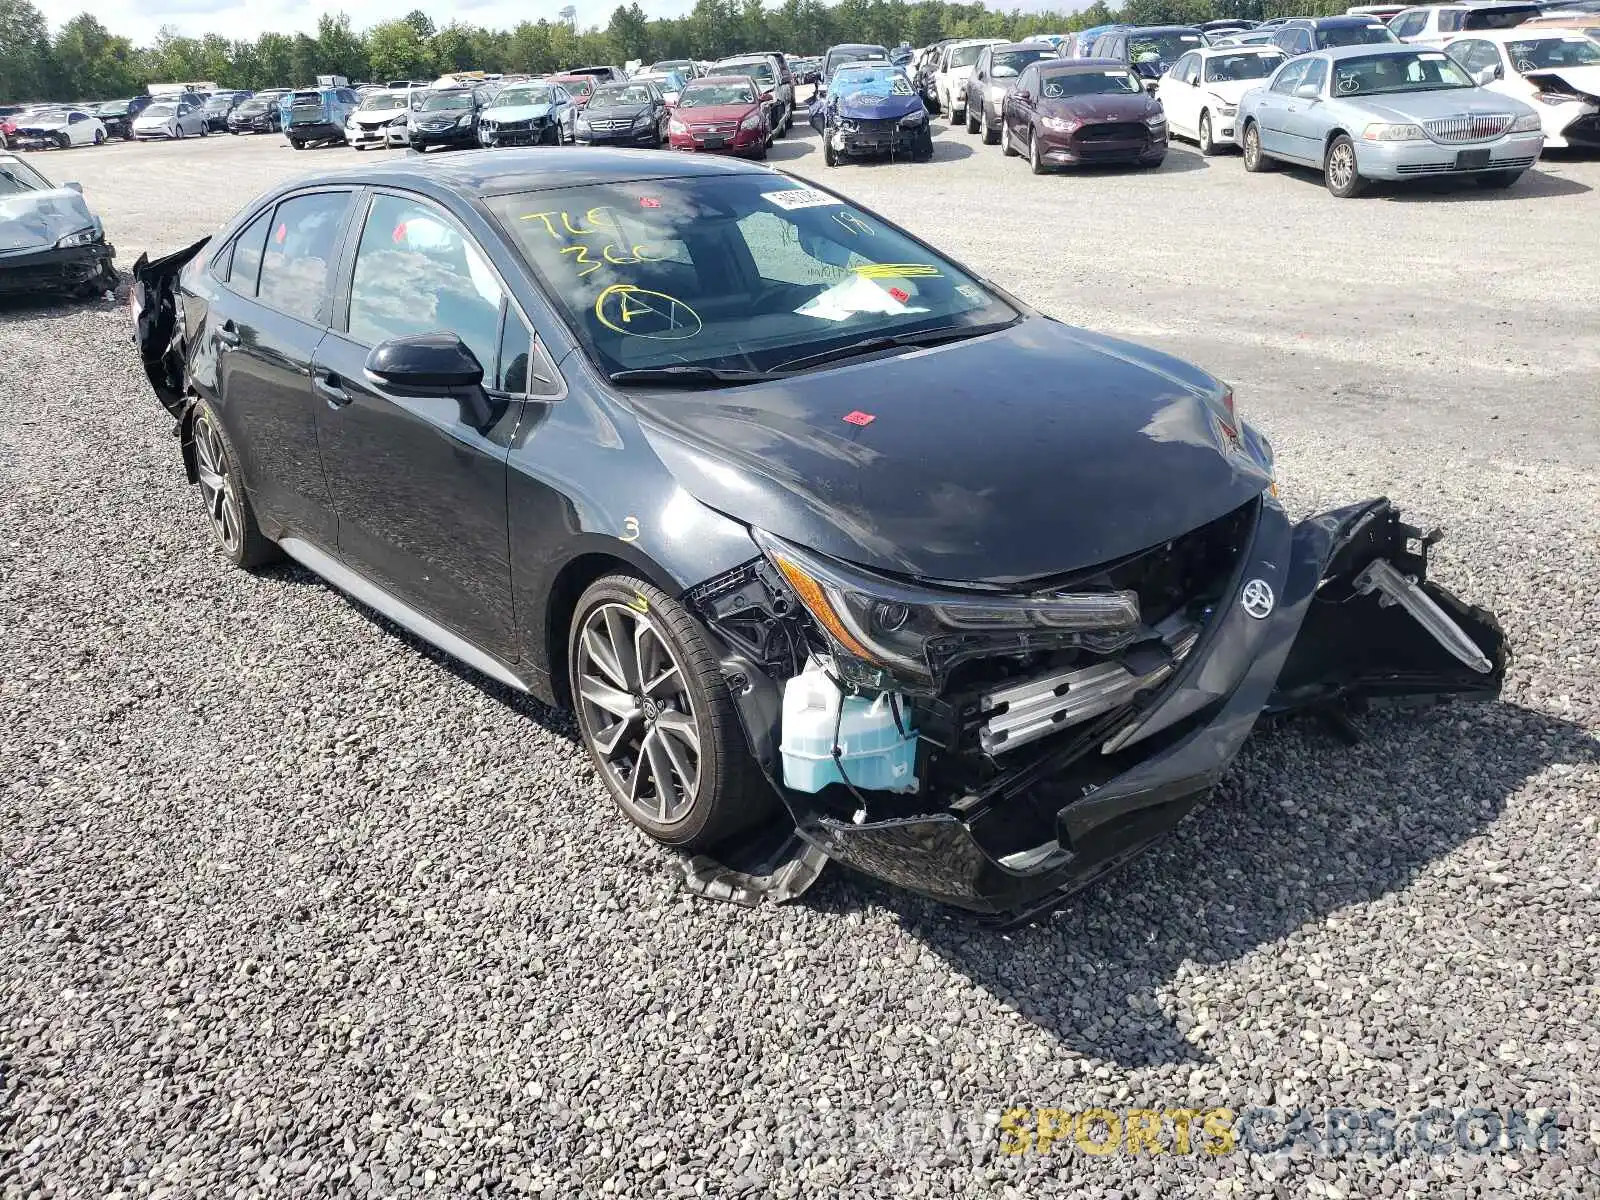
49,240
716,458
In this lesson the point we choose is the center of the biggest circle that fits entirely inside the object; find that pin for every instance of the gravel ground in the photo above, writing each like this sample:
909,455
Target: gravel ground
293,907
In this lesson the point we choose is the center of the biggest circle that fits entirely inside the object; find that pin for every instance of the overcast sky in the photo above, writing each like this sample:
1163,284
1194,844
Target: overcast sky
140,19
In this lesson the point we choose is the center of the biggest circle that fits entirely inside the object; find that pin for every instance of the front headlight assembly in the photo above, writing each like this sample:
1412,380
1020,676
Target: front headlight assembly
1526,123
83,237
914,120
887,632
1381,132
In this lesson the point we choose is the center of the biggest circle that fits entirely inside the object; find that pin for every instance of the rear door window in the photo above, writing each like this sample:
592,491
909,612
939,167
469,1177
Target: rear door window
300,249
247,248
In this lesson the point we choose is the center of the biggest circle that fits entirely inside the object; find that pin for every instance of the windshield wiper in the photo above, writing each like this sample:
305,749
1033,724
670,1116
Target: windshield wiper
927,337
692,375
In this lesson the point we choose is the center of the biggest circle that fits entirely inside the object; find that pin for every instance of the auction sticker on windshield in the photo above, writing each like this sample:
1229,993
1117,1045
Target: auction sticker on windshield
801,198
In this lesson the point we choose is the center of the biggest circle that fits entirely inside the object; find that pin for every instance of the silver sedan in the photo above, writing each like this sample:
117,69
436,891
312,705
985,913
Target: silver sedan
1380,112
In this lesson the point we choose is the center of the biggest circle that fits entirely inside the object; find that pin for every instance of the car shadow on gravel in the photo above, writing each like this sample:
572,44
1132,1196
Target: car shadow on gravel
1534,185
1304,826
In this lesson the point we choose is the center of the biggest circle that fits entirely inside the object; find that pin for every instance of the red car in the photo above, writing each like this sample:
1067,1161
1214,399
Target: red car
579,87
724,114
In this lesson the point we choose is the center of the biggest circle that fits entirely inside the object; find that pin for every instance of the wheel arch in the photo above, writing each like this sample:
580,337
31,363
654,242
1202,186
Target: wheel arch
1336,131
561,604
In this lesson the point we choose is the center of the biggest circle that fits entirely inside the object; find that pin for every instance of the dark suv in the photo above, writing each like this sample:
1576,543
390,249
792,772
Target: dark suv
1302,35
1149,50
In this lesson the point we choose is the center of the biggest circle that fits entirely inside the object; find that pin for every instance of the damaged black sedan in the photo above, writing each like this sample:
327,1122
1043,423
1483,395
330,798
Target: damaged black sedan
718,459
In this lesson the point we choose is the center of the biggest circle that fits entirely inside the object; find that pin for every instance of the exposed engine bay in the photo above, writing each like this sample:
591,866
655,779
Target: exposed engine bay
976,764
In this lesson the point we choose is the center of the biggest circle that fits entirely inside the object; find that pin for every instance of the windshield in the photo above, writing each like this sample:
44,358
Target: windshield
1161,47
1109,82
964,56
1380,74
219,103
1497,18
1009,63
1231,68
1354,35
380,101
159,110
672,64
741,272
879,81
448,102
713,95
581,85
113,108
1542,54
630,94
758,69
515,97
17,177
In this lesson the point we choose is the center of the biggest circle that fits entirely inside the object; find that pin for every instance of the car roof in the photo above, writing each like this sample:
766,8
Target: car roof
1522,33
1342,21
719,79
503,172
1264,48
1024,46
1079,64
1338,52
1162,29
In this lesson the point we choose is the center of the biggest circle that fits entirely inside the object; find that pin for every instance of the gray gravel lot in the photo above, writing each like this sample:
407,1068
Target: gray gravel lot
291,906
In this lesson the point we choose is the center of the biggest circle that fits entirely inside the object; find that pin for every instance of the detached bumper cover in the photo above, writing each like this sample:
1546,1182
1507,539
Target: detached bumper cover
1106,790
55,270
870,138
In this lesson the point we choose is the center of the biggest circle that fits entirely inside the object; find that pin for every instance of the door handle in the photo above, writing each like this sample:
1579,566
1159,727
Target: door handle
331,387
228,334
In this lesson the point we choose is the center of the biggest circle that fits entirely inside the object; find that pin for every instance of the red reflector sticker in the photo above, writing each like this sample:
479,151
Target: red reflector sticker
649,202
859,418
283,232
900,294
400,233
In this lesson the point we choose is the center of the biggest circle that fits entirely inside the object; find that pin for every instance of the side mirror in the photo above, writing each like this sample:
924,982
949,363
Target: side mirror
767,95
1025,97
433,364
73,186
1487,75
1151,85
1194,81
1308,91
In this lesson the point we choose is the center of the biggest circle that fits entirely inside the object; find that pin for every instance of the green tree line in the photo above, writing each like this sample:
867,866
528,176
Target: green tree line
85,61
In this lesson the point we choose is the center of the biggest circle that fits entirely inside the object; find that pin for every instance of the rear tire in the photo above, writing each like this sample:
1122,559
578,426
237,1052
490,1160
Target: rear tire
1498,179
223,494
657,719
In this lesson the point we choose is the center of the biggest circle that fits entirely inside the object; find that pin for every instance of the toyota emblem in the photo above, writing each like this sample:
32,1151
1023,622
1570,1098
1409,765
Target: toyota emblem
1257,598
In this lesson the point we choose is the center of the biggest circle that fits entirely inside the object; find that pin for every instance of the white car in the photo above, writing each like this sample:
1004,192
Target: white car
61,128
368,125
1555,71
1201,93
1435,23
950,77
176,118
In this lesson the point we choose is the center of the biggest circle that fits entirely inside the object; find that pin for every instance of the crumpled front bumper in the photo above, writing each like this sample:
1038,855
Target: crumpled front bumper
870,139
1112,788
57,270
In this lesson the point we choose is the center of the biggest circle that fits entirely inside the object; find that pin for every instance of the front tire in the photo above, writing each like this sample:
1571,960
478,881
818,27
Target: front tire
1208,147
1254,160
657,718
972,121
1339,168
991,134
99,137
829,155
1035,155
222,492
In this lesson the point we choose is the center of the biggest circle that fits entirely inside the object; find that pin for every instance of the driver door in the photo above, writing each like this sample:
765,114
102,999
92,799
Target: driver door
421,493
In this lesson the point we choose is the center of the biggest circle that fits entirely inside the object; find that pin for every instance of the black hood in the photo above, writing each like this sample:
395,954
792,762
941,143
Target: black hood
1018,455
615,112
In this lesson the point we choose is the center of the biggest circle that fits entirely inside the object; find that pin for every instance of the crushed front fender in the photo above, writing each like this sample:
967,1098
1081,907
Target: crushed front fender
1302,626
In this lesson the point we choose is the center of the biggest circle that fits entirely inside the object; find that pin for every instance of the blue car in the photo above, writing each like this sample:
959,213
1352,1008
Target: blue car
871,110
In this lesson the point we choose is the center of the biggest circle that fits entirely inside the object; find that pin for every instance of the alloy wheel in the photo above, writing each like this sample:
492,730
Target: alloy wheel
1204,133
216,486
1341,166
638,712
1252,148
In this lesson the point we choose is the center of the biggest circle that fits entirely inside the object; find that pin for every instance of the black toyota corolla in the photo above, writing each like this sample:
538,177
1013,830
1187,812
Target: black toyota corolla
838,550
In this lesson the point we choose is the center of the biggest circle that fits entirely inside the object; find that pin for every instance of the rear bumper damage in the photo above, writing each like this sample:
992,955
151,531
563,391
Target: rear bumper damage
1315,615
